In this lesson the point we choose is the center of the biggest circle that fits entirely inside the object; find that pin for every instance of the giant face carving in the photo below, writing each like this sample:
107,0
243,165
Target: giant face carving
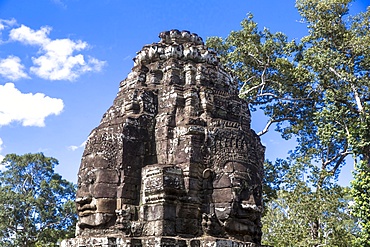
176,114
97,193
237,198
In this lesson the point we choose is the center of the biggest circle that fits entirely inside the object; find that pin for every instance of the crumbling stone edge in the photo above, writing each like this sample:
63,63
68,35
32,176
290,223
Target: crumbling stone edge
154,242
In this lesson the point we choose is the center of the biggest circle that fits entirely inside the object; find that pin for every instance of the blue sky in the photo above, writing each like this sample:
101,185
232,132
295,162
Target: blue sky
61,62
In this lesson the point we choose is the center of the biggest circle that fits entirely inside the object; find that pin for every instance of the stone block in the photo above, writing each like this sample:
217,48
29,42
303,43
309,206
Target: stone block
192,184
128,191
153,212
189,211
188,227
108,176
222,195
223,182
106,205
194,243
102,190
98,161
159,228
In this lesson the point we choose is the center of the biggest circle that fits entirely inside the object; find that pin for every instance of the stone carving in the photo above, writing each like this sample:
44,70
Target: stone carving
174,161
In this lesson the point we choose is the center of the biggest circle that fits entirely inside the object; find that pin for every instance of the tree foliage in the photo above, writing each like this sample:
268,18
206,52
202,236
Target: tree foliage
288,218
315,90
36,204
361,208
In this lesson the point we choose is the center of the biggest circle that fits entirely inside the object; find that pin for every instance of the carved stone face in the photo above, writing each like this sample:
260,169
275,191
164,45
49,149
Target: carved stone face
176,114
237,196
96,195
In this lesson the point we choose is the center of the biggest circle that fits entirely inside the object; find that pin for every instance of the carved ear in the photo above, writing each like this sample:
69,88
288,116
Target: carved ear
207,173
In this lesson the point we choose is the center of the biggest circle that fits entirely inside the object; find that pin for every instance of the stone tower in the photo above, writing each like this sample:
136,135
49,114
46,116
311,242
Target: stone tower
174,161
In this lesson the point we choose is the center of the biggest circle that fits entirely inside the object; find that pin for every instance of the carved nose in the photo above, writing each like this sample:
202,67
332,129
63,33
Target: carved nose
83,200
251,200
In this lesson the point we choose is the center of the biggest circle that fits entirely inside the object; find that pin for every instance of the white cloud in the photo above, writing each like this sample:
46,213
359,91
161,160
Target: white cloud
28,36
74,148
7,23
29,109
58,59
94,64
11,68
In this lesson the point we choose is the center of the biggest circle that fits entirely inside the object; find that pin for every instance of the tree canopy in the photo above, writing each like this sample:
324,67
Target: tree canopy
36,204
315,90
301,215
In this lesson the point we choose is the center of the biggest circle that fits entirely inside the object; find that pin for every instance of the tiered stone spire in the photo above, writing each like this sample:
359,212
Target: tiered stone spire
174,161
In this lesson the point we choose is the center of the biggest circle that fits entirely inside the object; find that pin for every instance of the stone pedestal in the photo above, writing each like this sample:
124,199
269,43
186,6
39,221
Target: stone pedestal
154,242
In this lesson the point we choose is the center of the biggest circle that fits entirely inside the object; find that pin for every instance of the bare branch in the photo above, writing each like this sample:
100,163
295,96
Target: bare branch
255,58
336,73
263,79
354,90
339,162
347,105
357,98
338,159
250,89
271,121
267,94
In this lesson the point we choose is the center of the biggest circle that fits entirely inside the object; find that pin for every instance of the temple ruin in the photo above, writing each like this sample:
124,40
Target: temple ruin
174,161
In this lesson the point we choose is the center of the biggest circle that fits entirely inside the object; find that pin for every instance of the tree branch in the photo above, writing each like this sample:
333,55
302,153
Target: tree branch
271,121
357,98
255,58
354,90
249,90
340,156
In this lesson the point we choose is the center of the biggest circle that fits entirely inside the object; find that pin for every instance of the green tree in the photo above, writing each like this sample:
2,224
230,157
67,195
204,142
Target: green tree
288,218
274,179
316,90
361,196
36,204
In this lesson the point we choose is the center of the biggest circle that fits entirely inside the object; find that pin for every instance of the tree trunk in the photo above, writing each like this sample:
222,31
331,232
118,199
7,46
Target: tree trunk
315,229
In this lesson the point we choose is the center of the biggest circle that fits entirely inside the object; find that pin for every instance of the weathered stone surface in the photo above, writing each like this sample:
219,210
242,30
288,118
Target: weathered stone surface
154,242
173,156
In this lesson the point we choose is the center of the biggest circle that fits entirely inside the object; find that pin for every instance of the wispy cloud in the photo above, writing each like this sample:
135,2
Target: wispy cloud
57,59
29,109
127,57
59,3
6,24
274,142
11,68
74,148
